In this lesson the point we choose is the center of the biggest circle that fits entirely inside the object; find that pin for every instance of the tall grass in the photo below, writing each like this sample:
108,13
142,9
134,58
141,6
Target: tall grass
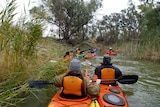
18,56
137,50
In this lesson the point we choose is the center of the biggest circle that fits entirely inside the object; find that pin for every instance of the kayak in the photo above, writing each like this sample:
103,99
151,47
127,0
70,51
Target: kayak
110,96
110,53
58,101
91,55
80,56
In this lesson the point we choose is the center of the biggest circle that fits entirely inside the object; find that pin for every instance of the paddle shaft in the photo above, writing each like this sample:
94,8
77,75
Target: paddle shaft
125,79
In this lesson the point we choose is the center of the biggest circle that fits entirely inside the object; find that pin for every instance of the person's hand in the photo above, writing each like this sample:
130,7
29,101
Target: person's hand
98,81
90,80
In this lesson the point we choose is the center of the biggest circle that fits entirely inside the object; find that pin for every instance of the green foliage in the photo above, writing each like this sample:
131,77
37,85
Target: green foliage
17,54
70,16
118,27
151,25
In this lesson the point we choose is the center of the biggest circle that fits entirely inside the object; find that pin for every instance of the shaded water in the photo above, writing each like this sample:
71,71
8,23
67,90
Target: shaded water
144,93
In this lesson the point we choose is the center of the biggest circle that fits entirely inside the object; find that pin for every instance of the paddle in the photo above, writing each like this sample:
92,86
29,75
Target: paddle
86,62
125,79
39,84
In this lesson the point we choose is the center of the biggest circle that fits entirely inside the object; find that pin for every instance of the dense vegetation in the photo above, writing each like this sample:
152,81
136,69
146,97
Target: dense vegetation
24,55
75,22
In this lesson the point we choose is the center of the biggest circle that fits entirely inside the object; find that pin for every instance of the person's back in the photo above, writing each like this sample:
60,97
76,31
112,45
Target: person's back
66,57
74,84
78,51
71,53
107,71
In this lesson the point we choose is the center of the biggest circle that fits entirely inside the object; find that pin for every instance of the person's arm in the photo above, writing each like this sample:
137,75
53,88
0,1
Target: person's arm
96,73
95,76
92,89
57,81
117,72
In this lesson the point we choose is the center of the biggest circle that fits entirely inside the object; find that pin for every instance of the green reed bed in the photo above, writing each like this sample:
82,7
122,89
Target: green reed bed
23,56
135,49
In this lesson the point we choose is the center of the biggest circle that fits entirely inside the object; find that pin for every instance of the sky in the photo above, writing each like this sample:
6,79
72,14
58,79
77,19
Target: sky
113,6
109,6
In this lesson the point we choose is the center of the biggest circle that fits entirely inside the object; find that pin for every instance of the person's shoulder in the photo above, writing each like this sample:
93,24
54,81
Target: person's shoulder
115,67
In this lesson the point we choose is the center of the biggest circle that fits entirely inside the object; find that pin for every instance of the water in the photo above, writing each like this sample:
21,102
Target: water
144,93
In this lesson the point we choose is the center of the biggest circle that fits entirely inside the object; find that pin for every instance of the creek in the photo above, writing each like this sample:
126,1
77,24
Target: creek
144,93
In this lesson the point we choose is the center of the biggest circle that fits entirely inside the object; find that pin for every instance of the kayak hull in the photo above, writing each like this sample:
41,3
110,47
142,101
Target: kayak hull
111,96
91,56
110,53
58,101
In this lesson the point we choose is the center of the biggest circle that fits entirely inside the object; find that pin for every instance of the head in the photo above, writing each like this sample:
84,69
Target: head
71,51
77,48
106,59
75,65
67,53
110,48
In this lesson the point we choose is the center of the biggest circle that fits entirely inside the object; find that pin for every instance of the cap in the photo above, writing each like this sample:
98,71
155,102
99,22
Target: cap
106,58
75,65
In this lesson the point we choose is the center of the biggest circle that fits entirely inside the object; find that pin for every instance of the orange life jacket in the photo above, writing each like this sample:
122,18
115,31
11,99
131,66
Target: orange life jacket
108,74
78,52
67,58
71,54
72,85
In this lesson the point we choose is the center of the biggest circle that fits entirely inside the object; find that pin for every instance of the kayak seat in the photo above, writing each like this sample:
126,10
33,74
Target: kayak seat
114,90
113,99
72,88
108,74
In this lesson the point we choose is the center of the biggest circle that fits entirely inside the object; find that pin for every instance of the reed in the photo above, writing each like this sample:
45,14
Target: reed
19,58
139,50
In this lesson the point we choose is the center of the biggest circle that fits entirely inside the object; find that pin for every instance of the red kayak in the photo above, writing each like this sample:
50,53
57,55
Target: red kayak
90,55
110,53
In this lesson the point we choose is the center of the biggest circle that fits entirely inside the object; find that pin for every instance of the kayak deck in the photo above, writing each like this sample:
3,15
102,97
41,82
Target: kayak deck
111,96
58,101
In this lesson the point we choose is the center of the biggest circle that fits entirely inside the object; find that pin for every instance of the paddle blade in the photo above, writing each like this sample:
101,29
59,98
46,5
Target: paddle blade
128,79
89,63
39,84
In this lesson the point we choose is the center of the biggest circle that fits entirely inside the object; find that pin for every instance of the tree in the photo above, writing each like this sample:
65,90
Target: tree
70,16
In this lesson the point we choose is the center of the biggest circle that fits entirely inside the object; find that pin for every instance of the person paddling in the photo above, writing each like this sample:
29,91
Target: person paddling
74,84
107,71
66,57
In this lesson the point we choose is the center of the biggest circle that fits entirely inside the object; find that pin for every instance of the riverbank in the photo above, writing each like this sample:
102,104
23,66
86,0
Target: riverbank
14,83
135,51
